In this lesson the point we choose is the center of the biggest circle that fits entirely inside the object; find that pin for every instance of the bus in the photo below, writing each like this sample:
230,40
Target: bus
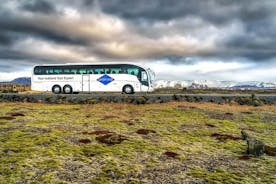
102,77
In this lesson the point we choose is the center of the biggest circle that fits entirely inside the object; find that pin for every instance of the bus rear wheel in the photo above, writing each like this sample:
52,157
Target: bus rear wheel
128,89
56,89
67,89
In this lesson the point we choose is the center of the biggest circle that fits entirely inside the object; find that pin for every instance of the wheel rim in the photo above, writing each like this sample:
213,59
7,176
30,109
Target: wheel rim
128,89
67,89
56,90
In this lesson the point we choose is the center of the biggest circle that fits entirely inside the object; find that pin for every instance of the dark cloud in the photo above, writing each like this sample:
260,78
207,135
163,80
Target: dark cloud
24,28
215,11
40,6
177,31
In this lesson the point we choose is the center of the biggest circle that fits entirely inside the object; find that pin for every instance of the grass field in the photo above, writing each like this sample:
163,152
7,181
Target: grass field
175,142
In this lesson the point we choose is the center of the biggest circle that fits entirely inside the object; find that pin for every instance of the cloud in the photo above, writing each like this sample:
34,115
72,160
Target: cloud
214,33
40,6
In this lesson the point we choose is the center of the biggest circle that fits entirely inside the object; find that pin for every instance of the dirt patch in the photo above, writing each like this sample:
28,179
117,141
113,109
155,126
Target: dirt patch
85,141
271,151
145,131
97,132
7,117
130,121
14,114
171,154
247,112
111,139
221,116
182,107
210,125
224,137
106,117
245,157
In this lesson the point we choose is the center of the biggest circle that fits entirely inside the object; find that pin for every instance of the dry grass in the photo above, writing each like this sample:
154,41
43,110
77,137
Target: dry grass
180,143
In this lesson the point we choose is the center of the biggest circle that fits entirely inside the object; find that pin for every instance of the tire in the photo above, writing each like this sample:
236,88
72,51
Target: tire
128,89
67,89
56,89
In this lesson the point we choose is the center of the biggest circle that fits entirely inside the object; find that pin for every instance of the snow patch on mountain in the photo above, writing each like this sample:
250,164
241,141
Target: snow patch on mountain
204,84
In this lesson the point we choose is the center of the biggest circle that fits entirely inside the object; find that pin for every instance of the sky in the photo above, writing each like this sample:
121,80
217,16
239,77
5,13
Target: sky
178,39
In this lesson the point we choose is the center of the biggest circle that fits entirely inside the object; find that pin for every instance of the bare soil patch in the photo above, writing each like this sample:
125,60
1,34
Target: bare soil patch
14,114
247,112
210,125
221,116
245,157
97,132
111,139
145,131
7,118
224,137
85,141
130,121
106,117
171,154
182,107
271,151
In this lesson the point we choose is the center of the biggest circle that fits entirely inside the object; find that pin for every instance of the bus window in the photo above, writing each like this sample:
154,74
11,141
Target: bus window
57,71
115,70
38,70
73,71
99,71
66,71
133,71
49,71
144,76
106,71
82,71
90,71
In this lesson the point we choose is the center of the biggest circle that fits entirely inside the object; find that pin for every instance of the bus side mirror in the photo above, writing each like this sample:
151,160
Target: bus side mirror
144,76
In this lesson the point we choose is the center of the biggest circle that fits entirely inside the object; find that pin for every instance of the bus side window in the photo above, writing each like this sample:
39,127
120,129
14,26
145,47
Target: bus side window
133,71
99,71
144,76
106,71
73,71
90,71
66,71
38,70
49,71
82,71
57,71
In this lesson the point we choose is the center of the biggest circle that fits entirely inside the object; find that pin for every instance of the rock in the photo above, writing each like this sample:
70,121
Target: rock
255,147
245,135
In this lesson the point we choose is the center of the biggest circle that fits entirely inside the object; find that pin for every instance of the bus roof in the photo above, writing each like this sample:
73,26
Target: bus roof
94,63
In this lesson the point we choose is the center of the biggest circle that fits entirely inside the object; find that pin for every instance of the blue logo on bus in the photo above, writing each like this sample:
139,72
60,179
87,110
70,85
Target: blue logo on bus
105,79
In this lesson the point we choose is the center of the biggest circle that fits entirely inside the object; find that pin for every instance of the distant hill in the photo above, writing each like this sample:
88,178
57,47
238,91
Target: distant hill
205,84
21,80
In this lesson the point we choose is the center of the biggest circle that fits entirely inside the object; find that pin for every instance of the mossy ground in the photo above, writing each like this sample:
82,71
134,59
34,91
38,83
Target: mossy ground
44,145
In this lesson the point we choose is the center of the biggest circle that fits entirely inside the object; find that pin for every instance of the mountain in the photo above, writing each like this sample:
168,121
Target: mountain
205,84
21,80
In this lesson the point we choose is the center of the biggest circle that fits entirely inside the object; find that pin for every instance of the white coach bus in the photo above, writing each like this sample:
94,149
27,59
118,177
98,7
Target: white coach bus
104,77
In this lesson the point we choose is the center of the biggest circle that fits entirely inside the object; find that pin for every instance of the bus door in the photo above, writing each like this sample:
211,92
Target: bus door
86,82
144,81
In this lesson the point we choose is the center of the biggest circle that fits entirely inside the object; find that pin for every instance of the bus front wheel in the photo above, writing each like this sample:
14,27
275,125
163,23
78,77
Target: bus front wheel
128,89
67,89
56,89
